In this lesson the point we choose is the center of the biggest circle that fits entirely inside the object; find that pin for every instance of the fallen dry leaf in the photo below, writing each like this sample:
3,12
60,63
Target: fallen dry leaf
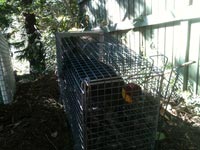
54,134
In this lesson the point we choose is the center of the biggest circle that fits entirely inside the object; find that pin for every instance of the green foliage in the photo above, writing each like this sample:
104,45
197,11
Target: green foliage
5,11
51,16
2,2
160,136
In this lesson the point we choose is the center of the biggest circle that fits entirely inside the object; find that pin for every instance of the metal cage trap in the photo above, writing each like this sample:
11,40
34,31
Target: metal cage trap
110,93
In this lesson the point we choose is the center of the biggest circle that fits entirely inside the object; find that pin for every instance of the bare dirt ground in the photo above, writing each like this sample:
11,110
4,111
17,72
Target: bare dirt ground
179,134
36,121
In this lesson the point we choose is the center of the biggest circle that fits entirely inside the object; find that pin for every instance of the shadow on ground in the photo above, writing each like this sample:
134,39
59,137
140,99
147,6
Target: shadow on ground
35,120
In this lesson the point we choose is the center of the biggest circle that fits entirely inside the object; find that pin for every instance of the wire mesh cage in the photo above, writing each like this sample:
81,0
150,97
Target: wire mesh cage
110,93
7,81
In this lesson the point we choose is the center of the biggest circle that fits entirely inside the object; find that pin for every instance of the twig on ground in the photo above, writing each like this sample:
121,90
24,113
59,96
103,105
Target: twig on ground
51,142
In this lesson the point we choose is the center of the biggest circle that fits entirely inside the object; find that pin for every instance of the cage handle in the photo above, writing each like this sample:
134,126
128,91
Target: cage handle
187,63
165,60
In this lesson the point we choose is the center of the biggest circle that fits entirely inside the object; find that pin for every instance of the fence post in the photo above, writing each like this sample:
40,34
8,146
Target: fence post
184,56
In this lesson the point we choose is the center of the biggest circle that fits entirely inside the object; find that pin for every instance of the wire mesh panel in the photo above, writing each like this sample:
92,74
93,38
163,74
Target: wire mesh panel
110,93
7,82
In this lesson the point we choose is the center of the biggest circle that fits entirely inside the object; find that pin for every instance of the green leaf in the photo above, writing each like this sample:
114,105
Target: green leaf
2,2
160,136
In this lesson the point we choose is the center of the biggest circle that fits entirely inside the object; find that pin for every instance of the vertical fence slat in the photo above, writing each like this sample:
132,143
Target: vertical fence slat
155,6
169,42
170,4
131,9
194,47
161,39
136,8
137,41
198,69
148,38
148,7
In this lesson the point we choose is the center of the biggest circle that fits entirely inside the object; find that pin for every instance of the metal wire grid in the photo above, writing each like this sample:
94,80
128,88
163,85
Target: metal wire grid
173,81
75,90
125,62
92,76
7,82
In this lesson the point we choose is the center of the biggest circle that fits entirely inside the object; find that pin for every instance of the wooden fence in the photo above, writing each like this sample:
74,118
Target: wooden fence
170,27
